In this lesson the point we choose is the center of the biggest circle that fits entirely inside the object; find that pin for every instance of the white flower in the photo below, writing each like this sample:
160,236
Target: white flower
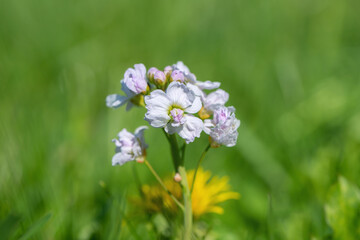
211,101
135,79
172,111
191,78
223,127
133,84
214,100
116,100
129,146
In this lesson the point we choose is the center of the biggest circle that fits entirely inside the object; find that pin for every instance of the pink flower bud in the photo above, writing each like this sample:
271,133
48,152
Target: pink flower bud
151,73
159,78
177,177
177,75
168,71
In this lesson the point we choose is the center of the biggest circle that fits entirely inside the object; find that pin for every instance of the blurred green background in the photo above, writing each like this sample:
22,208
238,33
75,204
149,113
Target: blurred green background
292,69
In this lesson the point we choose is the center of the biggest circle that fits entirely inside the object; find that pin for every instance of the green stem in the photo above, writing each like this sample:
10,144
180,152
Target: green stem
188,218
198,165
177,161
163,185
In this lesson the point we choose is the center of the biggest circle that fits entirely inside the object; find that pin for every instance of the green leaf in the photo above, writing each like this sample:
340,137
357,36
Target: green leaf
36,227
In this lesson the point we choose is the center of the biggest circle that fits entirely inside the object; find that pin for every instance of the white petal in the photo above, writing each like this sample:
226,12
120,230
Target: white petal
140,131
128,81
182,67
207,126
117,143
139,134
115,100
140,69
126,138
191,78
197,91
180,95
157,104
121,158
195,107
126,90
231,139
171,129
208,85
191,129
157,99
219,97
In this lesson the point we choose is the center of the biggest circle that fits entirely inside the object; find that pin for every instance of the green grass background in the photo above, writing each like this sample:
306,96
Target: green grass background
292,69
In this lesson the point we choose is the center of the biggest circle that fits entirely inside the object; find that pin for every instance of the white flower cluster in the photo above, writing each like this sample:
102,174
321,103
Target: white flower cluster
175,101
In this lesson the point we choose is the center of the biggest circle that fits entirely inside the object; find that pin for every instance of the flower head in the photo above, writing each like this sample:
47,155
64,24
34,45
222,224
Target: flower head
172,111
223,127
208,192
129,146
133,85
212,101
135,79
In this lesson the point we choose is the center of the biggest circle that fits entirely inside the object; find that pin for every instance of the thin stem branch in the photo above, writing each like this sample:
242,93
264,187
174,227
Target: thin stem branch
163,185
188,217
198,165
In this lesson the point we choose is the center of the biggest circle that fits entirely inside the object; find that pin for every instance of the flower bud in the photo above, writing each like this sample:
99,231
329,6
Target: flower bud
177,75
168,71
159,78
177,177
140,159
151,72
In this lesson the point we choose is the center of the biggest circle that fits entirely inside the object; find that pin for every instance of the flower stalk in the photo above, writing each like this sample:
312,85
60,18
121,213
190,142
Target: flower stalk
163,185
178,160
188,216
175,153
198,165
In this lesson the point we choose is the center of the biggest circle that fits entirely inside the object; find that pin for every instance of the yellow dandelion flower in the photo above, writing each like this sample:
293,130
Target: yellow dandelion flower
207,193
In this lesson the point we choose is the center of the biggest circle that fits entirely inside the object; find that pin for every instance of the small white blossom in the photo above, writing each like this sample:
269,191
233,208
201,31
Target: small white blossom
172,111
223,127
129,146
133,84
135,79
